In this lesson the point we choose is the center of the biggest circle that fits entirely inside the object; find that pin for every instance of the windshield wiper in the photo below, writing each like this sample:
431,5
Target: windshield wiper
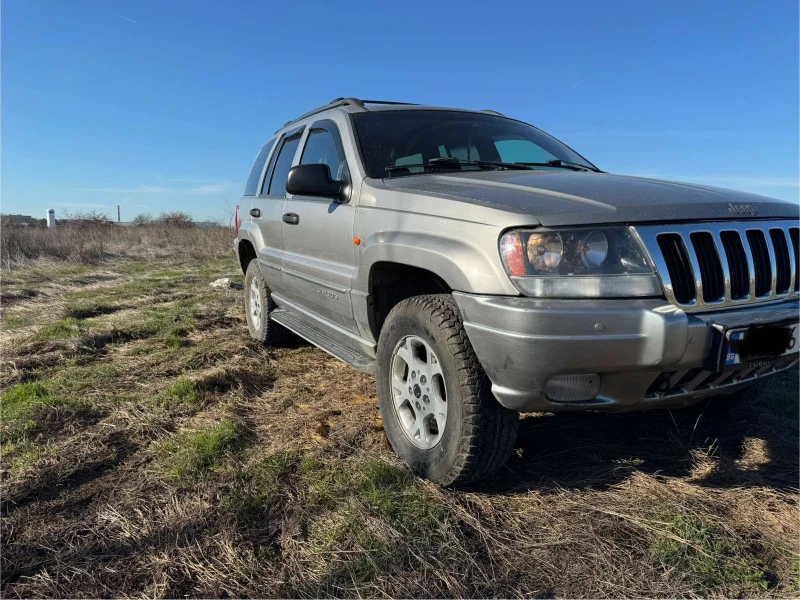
455,163
561,164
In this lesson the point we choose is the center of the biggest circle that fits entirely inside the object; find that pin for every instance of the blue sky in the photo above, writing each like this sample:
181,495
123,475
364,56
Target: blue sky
162,105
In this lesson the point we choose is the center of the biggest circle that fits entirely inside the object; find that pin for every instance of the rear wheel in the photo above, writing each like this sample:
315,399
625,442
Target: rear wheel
438,410
258,305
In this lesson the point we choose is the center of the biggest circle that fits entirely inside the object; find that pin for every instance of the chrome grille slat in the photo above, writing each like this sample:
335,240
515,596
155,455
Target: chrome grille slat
738,269
763,267
672,251
726,269
773,263
794,234
751,268
780,243
709,267
698,279
757,258
792,265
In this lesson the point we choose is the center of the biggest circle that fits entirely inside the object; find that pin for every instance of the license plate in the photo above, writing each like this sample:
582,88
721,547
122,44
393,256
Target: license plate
759,346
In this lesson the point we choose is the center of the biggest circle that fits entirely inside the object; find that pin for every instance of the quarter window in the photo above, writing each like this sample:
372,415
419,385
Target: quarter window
283,163
251,187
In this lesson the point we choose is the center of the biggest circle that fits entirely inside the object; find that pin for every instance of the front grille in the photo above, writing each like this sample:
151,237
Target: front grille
713,265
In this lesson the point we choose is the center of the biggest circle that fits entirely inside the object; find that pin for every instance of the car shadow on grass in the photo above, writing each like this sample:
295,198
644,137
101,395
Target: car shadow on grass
752,446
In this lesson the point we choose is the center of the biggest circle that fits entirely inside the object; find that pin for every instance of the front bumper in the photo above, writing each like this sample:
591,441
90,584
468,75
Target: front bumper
648,353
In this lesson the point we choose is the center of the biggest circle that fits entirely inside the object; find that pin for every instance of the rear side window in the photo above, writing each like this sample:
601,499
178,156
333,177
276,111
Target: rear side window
251,188
277,185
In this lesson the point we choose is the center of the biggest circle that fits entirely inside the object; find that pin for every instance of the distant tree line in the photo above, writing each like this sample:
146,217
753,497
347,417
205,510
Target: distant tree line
170,219
92,218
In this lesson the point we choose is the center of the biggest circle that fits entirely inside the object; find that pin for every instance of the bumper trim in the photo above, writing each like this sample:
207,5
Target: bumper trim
523,342
707,383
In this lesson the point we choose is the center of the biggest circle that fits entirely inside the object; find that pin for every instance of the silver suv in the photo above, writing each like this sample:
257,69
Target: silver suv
481,268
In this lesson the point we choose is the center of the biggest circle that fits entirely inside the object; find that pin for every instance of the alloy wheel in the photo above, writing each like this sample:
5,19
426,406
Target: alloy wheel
418,391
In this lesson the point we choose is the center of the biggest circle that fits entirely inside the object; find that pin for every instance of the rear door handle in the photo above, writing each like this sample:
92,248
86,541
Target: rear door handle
255,212
291,218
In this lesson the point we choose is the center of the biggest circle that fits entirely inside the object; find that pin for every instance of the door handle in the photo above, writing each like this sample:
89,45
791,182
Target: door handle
291,218
255,212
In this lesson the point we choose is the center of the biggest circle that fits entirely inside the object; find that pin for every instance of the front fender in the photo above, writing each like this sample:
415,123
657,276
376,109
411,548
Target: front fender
467,261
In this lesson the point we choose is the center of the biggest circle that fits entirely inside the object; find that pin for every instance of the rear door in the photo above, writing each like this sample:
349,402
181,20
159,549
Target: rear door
267,208
319,263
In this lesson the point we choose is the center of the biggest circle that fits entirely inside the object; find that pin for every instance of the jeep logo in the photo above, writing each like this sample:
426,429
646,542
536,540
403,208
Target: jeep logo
741,209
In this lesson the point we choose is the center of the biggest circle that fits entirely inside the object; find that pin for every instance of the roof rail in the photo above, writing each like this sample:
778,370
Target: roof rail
346,102
388,102
332,104
491,112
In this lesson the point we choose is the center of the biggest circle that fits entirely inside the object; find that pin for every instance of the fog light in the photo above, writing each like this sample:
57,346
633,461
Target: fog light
573,388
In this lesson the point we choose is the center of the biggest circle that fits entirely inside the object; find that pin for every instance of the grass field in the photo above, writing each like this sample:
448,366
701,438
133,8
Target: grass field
149,448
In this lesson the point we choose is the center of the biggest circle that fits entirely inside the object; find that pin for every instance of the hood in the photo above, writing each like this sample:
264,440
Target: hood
578,198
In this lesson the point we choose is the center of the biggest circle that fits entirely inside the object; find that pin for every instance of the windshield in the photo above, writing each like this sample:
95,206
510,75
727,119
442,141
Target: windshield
411,138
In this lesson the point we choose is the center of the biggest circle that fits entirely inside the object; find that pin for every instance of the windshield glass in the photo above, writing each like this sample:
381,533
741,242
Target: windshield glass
414,137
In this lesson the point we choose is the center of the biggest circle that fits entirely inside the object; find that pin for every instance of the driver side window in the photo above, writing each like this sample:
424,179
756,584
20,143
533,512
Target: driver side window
322,149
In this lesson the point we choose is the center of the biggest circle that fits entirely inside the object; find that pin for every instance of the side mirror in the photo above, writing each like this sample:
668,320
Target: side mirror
315,180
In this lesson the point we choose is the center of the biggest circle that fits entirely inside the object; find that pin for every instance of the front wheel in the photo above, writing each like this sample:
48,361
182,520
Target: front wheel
438,410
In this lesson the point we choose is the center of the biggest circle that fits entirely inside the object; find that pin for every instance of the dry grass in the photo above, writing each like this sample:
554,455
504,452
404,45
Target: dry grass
93,243
151,449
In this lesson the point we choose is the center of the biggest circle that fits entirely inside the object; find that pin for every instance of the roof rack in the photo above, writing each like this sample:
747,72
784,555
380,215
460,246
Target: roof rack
332,104
388,102
346,102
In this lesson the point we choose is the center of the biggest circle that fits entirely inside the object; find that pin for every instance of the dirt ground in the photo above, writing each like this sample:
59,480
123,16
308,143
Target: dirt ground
149,448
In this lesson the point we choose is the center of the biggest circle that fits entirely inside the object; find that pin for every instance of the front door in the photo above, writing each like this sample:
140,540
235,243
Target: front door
319,261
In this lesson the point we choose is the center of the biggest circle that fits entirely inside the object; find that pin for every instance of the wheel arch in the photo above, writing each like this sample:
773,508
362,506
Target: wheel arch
246,252
391,282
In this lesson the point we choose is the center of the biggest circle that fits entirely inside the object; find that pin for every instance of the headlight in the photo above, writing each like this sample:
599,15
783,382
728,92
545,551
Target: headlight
545,250
594,249
578,263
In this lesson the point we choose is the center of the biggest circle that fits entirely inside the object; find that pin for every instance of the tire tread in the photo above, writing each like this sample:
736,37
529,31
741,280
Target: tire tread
272,334
490,430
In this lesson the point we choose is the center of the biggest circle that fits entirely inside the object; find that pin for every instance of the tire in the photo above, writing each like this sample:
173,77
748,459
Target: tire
258,305
478,433
721,405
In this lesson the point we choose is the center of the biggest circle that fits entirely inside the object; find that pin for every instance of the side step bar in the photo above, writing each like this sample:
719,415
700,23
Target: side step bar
354,358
